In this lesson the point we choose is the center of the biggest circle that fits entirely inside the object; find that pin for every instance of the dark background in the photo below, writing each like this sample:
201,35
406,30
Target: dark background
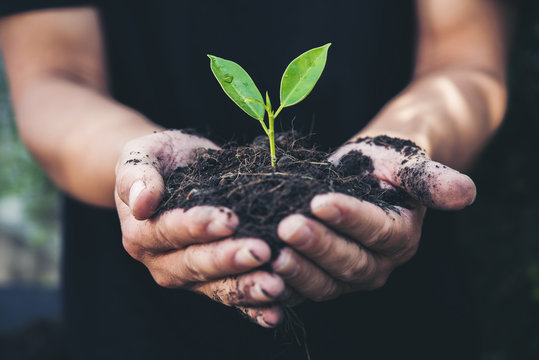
496,239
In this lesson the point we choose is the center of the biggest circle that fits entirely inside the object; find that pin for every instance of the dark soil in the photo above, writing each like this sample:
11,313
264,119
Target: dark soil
242,179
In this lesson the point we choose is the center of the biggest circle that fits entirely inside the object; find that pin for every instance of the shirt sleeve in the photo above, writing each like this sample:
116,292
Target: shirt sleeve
10,7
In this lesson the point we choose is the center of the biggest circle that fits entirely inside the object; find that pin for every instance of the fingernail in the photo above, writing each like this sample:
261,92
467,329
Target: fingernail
247,257
473,189
219,227
284,265
294,227
223,222
264,323
473,198
135,191
321,208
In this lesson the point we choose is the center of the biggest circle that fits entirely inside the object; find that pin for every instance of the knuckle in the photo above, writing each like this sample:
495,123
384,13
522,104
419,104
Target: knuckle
321,246
160,233
220,256
382,236
133,249
191,268
164,280
377,282
407,248
407,252
411,250
355,269
328,292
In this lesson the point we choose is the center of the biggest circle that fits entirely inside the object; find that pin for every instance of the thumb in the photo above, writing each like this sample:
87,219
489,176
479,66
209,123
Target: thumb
403,164
140,185
146,160
435,185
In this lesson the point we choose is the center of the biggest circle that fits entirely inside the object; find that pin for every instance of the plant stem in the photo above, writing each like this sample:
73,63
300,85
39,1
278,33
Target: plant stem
271,136
278,111
264,126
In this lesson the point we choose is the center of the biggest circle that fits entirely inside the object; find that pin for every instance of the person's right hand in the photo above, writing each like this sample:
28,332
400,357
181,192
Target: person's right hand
180,248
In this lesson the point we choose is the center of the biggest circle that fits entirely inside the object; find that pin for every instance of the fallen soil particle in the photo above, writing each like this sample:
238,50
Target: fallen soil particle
133,161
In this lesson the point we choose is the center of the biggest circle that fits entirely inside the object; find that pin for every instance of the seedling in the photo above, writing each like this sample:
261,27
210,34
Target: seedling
297,82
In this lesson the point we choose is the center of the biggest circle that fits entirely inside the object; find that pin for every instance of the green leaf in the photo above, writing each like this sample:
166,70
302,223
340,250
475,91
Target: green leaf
238,85
302,74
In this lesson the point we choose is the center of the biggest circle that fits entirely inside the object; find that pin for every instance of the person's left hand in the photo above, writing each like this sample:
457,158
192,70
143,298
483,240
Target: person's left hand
355,245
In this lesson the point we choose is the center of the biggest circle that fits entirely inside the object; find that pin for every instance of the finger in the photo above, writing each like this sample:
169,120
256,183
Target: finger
435,185
146,160
139,184
176,229
387,233
339,258
180,228
205,262
304,277
268,316
255,288
405,165
291,297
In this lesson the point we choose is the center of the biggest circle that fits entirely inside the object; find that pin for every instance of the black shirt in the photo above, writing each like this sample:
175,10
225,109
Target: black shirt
156,53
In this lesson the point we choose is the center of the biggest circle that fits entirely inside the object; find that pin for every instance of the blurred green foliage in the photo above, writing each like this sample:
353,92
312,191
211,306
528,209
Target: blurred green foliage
22,178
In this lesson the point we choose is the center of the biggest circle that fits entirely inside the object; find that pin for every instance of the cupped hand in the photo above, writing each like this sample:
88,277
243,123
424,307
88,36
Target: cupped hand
190,249
355,245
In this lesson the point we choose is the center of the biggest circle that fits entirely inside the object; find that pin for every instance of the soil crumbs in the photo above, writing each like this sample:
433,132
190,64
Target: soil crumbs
242,179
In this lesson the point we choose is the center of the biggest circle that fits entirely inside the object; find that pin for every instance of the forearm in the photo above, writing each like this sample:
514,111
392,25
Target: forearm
450,113
457,97
76,133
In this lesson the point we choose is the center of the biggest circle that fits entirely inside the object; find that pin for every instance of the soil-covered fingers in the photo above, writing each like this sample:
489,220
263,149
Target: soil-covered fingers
176,229
329,264
255,288
139,185
436,185
266,316
403,164
196,225
259,295
304,277
385,232
212,261
145,161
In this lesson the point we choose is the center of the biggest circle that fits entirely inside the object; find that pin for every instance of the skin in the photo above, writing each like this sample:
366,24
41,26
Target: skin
55,65
453,105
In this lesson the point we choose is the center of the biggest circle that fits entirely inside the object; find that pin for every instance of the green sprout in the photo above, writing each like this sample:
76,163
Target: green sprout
297,82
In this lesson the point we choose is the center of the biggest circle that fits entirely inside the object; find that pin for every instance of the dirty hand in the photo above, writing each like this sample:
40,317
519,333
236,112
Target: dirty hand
355,244
179,247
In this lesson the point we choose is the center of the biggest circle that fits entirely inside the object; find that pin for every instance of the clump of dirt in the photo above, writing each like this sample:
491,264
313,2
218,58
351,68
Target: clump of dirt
405,147
241,178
